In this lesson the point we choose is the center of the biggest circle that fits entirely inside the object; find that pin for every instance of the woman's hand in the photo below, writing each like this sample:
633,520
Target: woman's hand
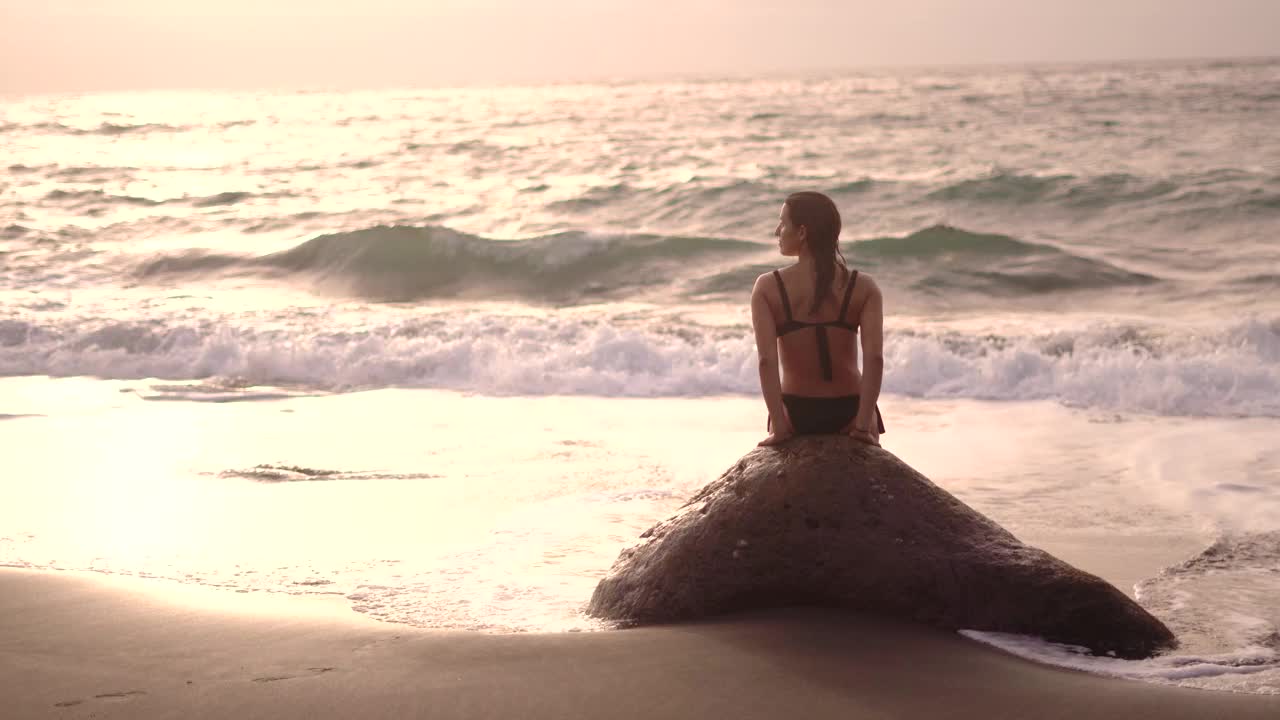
776,438
869,436
780,432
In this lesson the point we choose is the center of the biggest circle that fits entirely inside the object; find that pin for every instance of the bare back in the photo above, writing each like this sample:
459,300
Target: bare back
799,352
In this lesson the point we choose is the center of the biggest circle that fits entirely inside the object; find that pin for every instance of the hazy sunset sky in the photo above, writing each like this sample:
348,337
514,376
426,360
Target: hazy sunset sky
67,45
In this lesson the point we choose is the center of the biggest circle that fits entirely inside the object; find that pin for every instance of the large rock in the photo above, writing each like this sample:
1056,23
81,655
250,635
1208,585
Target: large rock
825,520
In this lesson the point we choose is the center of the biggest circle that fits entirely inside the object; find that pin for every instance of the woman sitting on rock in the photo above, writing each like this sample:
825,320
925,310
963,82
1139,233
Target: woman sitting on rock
807,316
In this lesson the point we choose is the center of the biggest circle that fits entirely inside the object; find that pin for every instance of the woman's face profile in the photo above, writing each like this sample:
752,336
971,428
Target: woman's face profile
790,237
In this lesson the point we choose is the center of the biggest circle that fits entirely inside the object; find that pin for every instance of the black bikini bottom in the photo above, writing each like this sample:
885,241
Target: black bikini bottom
823,415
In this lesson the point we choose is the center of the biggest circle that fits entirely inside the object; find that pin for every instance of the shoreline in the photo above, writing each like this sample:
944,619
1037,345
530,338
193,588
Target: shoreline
77,646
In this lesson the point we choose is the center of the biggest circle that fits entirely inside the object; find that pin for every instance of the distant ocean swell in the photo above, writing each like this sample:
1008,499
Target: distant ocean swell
105,128
402,263
1232,372
1238,190
94,201
1225,187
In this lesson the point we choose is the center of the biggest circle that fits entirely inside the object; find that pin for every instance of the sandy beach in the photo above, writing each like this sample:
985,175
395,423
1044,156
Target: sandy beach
76,646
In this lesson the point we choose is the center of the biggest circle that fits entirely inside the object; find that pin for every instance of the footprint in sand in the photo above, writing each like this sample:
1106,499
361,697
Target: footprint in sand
310,672
119,696
109,697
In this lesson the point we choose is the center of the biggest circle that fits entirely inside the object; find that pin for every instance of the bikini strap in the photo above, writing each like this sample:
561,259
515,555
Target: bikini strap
824,353
782,289
848,294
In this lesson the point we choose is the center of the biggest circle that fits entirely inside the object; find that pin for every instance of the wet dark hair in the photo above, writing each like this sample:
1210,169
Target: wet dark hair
818,215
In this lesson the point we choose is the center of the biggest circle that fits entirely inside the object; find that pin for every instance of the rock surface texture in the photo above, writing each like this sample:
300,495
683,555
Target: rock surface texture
825,520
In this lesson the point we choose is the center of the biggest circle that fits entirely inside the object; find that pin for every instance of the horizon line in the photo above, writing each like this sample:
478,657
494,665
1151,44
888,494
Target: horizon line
652,78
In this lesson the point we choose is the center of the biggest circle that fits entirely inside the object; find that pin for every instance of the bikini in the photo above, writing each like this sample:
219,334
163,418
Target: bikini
821,415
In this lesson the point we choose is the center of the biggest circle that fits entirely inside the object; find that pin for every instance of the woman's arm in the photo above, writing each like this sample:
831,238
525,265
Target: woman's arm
871,322
767,352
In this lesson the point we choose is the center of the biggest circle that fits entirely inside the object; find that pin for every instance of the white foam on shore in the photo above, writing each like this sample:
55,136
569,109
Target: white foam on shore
1253,670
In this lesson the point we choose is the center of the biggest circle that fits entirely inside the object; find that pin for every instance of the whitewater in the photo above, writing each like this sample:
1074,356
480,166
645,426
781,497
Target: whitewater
527,295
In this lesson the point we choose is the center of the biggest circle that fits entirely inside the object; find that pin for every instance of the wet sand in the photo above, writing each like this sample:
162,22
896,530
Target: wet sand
77,646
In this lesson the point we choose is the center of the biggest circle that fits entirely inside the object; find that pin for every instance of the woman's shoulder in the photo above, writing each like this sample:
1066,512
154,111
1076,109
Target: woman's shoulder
767,279
864,288
862,281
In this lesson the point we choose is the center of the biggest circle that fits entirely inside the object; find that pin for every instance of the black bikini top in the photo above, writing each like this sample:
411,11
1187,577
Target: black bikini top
824,347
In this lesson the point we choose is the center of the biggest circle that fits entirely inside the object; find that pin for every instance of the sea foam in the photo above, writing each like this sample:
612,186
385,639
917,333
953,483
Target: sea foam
1253,670
1233,372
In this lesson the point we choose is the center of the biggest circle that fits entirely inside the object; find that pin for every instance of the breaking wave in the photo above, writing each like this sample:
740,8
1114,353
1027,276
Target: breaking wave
1231,372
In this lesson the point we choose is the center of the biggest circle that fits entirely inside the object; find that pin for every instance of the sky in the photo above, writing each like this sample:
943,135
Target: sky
95,45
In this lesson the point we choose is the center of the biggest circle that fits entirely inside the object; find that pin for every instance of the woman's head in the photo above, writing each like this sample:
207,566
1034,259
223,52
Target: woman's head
809,224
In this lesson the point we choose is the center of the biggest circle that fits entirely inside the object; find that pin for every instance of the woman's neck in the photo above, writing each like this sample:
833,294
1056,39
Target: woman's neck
805,261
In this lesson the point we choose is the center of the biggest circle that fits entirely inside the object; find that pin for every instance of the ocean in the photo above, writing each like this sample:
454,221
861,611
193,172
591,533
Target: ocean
444,352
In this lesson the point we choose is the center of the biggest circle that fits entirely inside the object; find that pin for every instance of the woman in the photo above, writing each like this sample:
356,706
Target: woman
806,318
